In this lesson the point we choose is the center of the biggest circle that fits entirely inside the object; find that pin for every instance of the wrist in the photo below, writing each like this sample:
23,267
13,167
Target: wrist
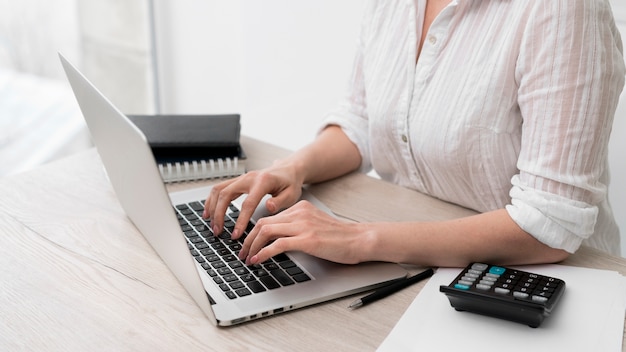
294,167
368,242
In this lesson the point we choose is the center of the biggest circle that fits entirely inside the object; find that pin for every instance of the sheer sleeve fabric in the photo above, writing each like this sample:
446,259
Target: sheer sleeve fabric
570,73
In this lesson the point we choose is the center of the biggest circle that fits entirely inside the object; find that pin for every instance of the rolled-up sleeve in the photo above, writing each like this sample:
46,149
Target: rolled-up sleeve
570,73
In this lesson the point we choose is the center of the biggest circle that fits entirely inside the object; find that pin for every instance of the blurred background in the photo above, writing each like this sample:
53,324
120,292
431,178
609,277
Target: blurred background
281,64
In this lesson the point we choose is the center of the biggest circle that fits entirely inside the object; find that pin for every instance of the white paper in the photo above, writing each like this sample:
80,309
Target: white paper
589,317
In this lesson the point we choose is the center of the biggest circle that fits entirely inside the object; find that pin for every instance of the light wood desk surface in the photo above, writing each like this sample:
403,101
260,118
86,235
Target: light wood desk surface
76,275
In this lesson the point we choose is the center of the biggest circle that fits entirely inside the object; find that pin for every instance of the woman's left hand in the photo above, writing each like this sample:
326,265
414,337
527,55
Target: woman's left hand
305,228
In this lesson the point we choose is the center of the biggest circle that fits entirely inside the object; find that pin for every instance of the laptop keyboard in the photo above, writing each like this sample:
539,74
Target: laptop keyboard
218,256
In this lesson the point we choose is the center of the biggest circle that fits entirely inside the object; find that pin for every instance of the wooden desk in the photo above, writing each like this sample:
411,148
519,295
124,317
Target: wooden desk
76,275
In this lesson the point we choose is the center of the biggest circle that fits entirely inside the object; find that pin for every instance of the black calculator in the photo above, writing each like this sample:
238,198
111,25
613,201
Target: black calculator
504,293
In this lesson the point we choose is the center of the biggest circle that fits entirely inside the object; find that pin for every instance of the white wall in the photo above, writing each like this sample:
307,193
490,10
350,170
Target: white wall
283,64
117,51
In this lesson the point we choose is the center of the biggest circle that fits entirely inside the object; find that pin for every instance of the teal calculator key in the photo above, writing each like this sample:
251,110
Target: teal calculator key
497,270
462,287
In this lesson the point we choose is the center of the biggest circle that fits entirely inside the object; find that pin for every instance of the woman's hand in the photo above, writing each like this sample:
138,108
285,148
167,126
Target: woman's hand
305,228
331,155
280,181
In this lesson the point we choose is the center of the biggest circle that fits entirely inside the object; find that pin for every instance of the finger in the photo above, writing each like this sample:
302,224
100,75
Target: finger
281,245
219,201
283,200
249,205
266,234
251,238
258,191
211,200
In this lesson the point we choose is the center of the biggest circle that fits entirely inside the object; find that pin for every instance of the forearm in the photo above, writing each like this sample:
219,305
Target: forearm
330,155
491,237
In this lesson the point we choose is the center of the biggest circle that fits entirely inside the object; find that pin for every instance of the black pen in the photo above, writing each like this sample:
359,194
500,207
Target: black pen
395,287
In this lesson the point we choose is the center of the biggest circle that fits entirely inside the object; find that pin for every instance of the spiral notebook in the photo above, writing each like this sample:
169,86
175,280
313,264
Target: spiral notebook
194,147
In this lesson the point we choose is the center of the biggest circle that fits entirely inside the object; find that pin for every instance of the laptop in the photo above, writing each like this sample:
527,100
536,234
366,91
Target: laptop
228,292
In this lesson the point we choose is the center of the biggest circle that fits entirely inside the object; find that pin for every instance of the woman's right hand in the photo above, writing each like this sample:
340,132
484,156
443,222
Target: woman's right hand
331,155
280,180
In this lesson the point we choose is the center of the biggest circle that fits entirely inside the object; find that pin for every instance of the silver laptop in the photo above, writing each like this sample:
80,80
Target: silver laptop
227,292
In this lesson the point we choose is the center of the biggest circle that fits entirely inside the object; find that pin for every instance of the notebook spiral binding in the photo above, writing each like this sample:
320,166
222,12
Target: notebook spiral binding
199,170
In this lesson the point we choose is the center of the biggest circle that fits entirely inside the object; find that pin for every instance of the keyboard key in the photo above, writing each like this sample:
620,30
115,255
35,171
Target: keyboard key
270,266
294,271
235,264
197,206
281,257
283,278
247,278
235,285
256,286
243,292
287,264
224,271
301,277
269,282
230,278
229,257
259,272
218,264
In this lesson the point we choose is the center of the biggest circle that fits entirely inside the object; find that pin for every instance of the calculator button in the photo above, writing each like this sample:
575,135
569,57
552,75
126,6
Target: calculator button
461,287
542,294
497,270
528,285
501,290
540,299
466,283
544,289
509,281
518,294
468,279
550,284
480,266
483,287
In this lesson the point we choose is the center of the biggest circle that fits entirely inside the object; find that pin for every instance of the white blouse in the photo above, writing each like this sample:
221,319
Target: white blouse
510,105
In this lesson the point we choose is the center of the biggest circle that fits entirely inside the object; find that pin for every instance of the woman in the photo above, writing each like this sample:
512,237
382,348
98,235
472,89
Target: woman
504,107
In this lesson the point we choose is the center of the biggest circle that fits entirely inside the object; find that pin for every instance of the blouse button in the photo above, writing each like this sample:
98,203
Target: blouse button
404,138
432,40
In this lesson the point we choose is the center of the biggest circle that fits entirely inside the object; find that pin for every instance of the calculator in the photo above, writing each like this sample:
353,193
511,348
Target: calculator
504,293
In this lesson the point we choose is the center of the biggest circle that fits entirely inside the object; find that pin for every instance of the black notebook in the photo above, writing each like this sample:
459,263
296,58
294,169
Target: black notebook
193,147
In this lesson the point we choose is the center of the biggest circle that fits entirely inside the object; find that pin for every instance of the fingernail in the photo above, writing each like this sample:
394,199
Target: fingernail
235,234
216,230
254,260
205,215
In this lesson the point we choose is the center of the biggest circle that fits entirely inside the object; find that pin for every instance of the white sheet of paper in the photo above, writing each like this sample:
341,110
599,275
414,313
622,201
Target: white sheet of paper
589,317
